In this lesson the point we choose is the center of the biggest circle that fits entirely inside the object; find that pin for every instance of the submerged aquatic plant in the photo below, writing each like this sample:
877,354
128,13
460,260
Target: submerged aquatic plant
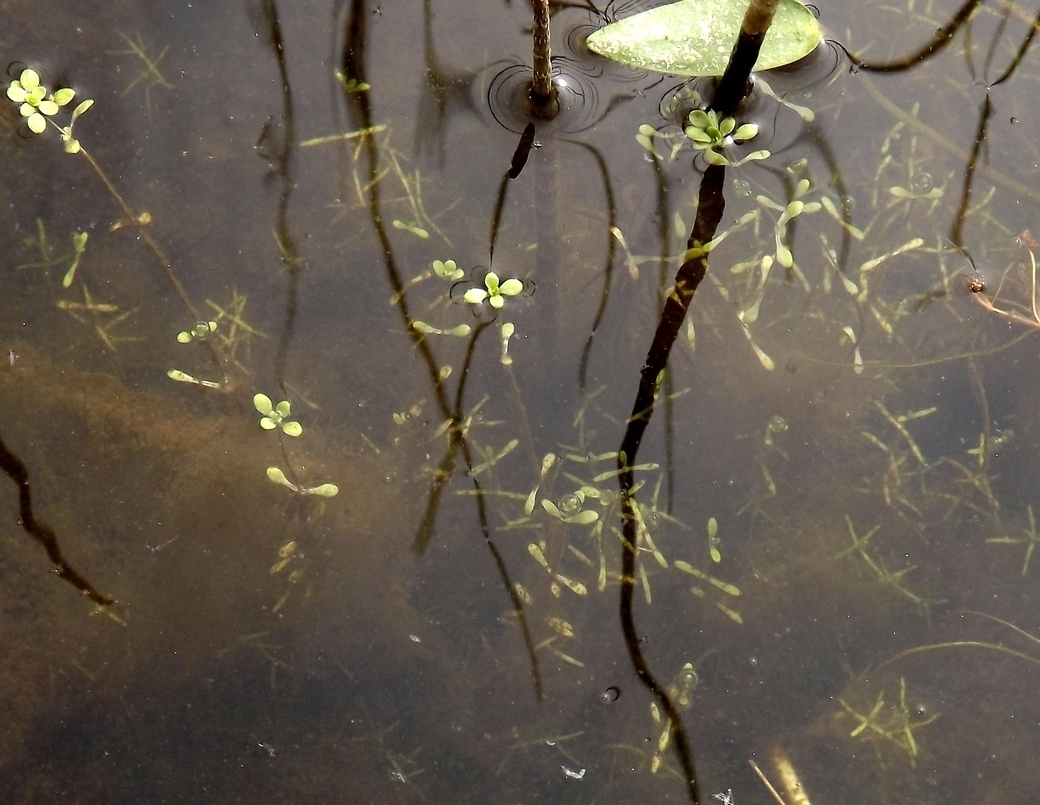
275,475
200,332
447,270
79,245
184,377
275,416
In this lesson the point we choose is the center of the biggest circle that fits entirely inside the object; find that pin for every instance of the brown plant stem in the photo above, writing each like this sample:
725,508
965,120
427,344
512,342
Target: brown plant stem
734,85
155,249
543,91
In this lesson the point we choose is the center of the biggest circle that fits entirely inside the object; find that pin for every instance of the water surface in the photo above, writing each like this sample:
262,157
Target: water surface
859,423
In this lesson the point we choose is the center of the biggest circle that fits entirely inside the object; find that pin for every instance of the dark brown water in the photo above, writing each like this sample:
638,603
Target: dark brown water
866,443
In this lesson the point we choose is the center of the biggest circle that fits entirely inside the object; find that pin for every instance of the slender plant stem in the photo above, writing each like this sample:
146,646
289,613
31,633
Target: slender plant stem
148,240
157,251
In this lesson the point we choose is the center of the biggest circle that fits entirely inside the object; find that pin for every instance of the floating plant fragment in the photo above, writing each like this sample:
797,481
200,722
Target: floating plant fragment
694,37
276,415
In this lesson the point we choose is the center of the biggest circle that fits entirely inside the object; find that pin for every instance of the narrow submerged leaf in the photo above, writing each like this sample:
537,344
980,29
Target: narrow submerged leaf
323,490
695,37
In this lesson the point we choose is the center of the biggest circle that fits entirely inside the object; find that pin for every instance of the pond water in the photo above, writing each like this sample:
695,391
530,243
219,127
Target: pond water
831,509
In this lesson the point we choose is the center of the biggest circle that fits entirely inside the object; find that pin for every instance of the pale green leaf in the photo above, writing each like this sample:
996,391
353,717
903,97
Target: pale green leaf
325,490
275,475
746,132
262,403
63,96
29,79
511,287
83,107
37,123
695,37
715,158
550,507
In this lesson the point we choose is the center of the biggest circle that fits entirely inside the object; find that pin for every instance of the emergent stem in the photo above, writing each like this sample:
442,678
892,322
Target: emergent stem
734,84
543,92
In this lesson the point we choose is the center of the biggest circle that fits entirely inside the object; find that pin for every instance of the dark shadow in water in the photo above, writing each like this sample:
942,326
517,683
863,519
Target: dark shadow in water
516,166
711,204
283,170
41,532
1022,50
527,141
359,107
985,113
608,267
942,38
973,164
956,229
441,95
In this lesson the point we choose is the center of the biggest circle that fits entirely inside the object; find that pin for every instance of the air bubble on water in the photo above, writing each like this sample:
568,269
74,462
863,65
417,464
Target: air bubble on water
569,504
798,167
610,695
922,182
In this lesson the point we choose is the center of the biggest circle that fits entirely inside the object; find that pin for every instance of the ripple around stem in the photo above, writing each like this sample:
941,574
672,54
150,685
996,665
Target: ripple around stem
508,97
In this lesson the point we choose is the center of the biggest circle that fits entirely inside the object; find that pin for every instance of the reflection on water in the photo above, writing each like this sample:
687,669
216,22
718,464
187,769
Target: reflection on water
832,514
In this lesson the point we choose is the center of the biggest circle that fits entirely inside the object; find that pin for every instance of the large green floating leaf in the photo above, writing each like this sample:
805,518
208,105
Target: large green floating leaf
695,37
